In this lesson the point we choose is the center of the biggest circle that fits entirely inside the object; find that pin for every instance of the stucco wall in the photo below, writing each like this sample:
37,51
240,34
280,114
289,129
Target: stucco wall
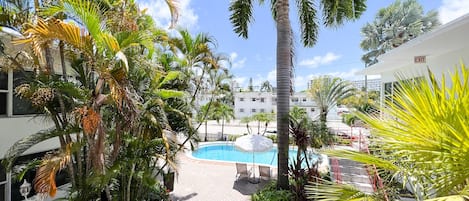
13,129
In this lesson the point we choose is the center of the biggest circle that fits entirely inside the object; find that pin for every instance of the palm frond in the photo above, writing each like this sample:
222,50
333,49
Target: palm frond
241,16
426,130
173,9
170,76
336,12
168,93
52,29
27,142
85,12
330,191
44,182
308,22
363,158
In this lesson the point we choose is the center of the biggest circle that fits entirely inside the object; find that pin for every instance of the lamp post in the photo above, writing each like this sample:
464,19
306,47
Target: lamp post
25,188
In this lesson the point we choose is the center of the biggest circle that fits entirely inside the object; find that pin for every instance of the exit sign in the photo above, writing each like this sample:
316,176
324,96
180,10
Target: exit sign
420,59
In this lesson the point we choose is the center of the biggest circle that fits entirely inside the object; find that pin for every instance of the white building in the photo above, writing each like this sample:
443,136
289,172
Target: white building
249,103
18,119
372,84
440,50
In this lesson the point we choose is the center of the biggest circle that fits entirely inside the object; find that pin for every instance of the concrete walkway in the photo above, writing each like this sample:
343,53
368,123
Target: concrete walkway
206,180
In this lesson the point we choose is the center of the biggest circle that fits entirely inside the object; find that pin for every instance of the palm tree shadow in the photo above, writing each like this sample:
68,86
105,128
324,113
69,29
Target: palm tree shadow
181,198
245,187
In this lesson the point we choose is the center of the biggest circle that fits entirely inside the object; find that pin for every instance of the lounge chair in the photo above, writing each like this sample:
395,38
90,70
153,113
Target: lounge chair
264,172
242,171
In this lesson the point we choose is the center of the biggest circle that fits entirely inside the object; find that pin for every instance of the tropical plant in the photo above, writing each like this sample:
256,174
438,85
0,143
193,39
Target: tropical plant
394,25
266,86
362,101
247,120
421,138
96,108
262,117
298,113
334,12
270,193
223,112
327,92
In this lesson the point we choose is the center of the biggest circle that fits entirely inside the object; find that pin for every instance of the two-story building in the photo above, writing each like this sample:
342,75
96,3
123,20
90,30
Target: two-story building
249,103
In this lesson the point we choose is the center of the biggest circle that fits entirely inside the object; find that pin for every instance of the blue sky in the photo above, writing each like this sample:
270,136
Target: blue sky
336,53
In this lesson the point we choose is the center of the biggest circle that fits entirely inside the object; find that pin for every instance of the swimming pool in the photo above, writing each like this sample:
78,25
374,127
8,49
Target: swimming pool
228,152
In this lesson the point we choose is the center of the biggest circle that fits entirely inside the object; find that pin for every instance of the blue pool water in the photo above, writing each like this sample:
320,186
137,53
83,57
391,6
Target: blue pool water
228,152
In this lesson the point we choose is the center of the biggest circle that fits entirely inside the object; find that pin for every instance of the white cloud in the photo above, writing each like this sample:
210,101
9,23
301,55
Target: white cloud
240,81
159,10
236,64
452,9
272,76
320,60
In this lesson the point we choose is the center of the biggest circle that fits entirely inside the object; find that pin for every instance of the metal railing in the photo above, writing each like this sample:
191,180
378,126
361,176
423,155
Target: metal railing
373,175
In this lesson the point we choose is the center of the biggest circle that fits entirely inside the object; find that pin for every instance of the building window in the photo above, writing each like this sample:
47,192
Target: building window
241,109
22,106
294,99
3,92
253,99
262,100
312,109
241,99
3,183
304,99
262,110
253,110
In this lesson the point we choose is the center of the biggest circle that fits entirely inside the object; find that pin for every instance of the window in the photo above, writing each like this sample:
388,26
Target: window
3,92
22,106
304,99
241,99
253,110
294,99
262,100
253,99
241,109
312,109
3,183
262,110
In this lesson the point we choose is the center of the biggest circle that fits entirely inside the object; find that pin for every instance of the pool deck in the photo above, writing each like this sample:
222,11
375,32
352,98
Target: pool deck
199,180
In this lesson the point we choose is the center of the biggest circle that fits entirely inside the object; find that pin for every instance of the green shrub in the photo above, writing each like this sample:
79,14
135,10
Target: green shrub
233,137
272,137
270,193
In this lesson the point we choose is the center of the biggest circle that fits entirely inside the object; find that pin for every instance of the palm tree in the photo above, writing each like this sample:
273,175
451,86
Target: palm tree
334,13
266,86
327,92
198,57
105,87
394,25
262,117
223,112
422,139
202,117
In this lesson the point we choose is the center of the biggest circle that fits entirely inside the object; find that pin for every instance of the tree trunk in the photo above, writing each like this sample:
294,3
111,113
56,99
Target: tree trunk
205,131
283,92
323,115
62,61
258,127
49,62
222,127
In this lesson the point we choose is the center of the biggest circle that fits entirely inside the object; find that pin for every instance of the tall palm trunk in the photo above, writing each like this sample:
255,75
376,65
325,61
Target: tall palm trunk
62,60
283,92
222,126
